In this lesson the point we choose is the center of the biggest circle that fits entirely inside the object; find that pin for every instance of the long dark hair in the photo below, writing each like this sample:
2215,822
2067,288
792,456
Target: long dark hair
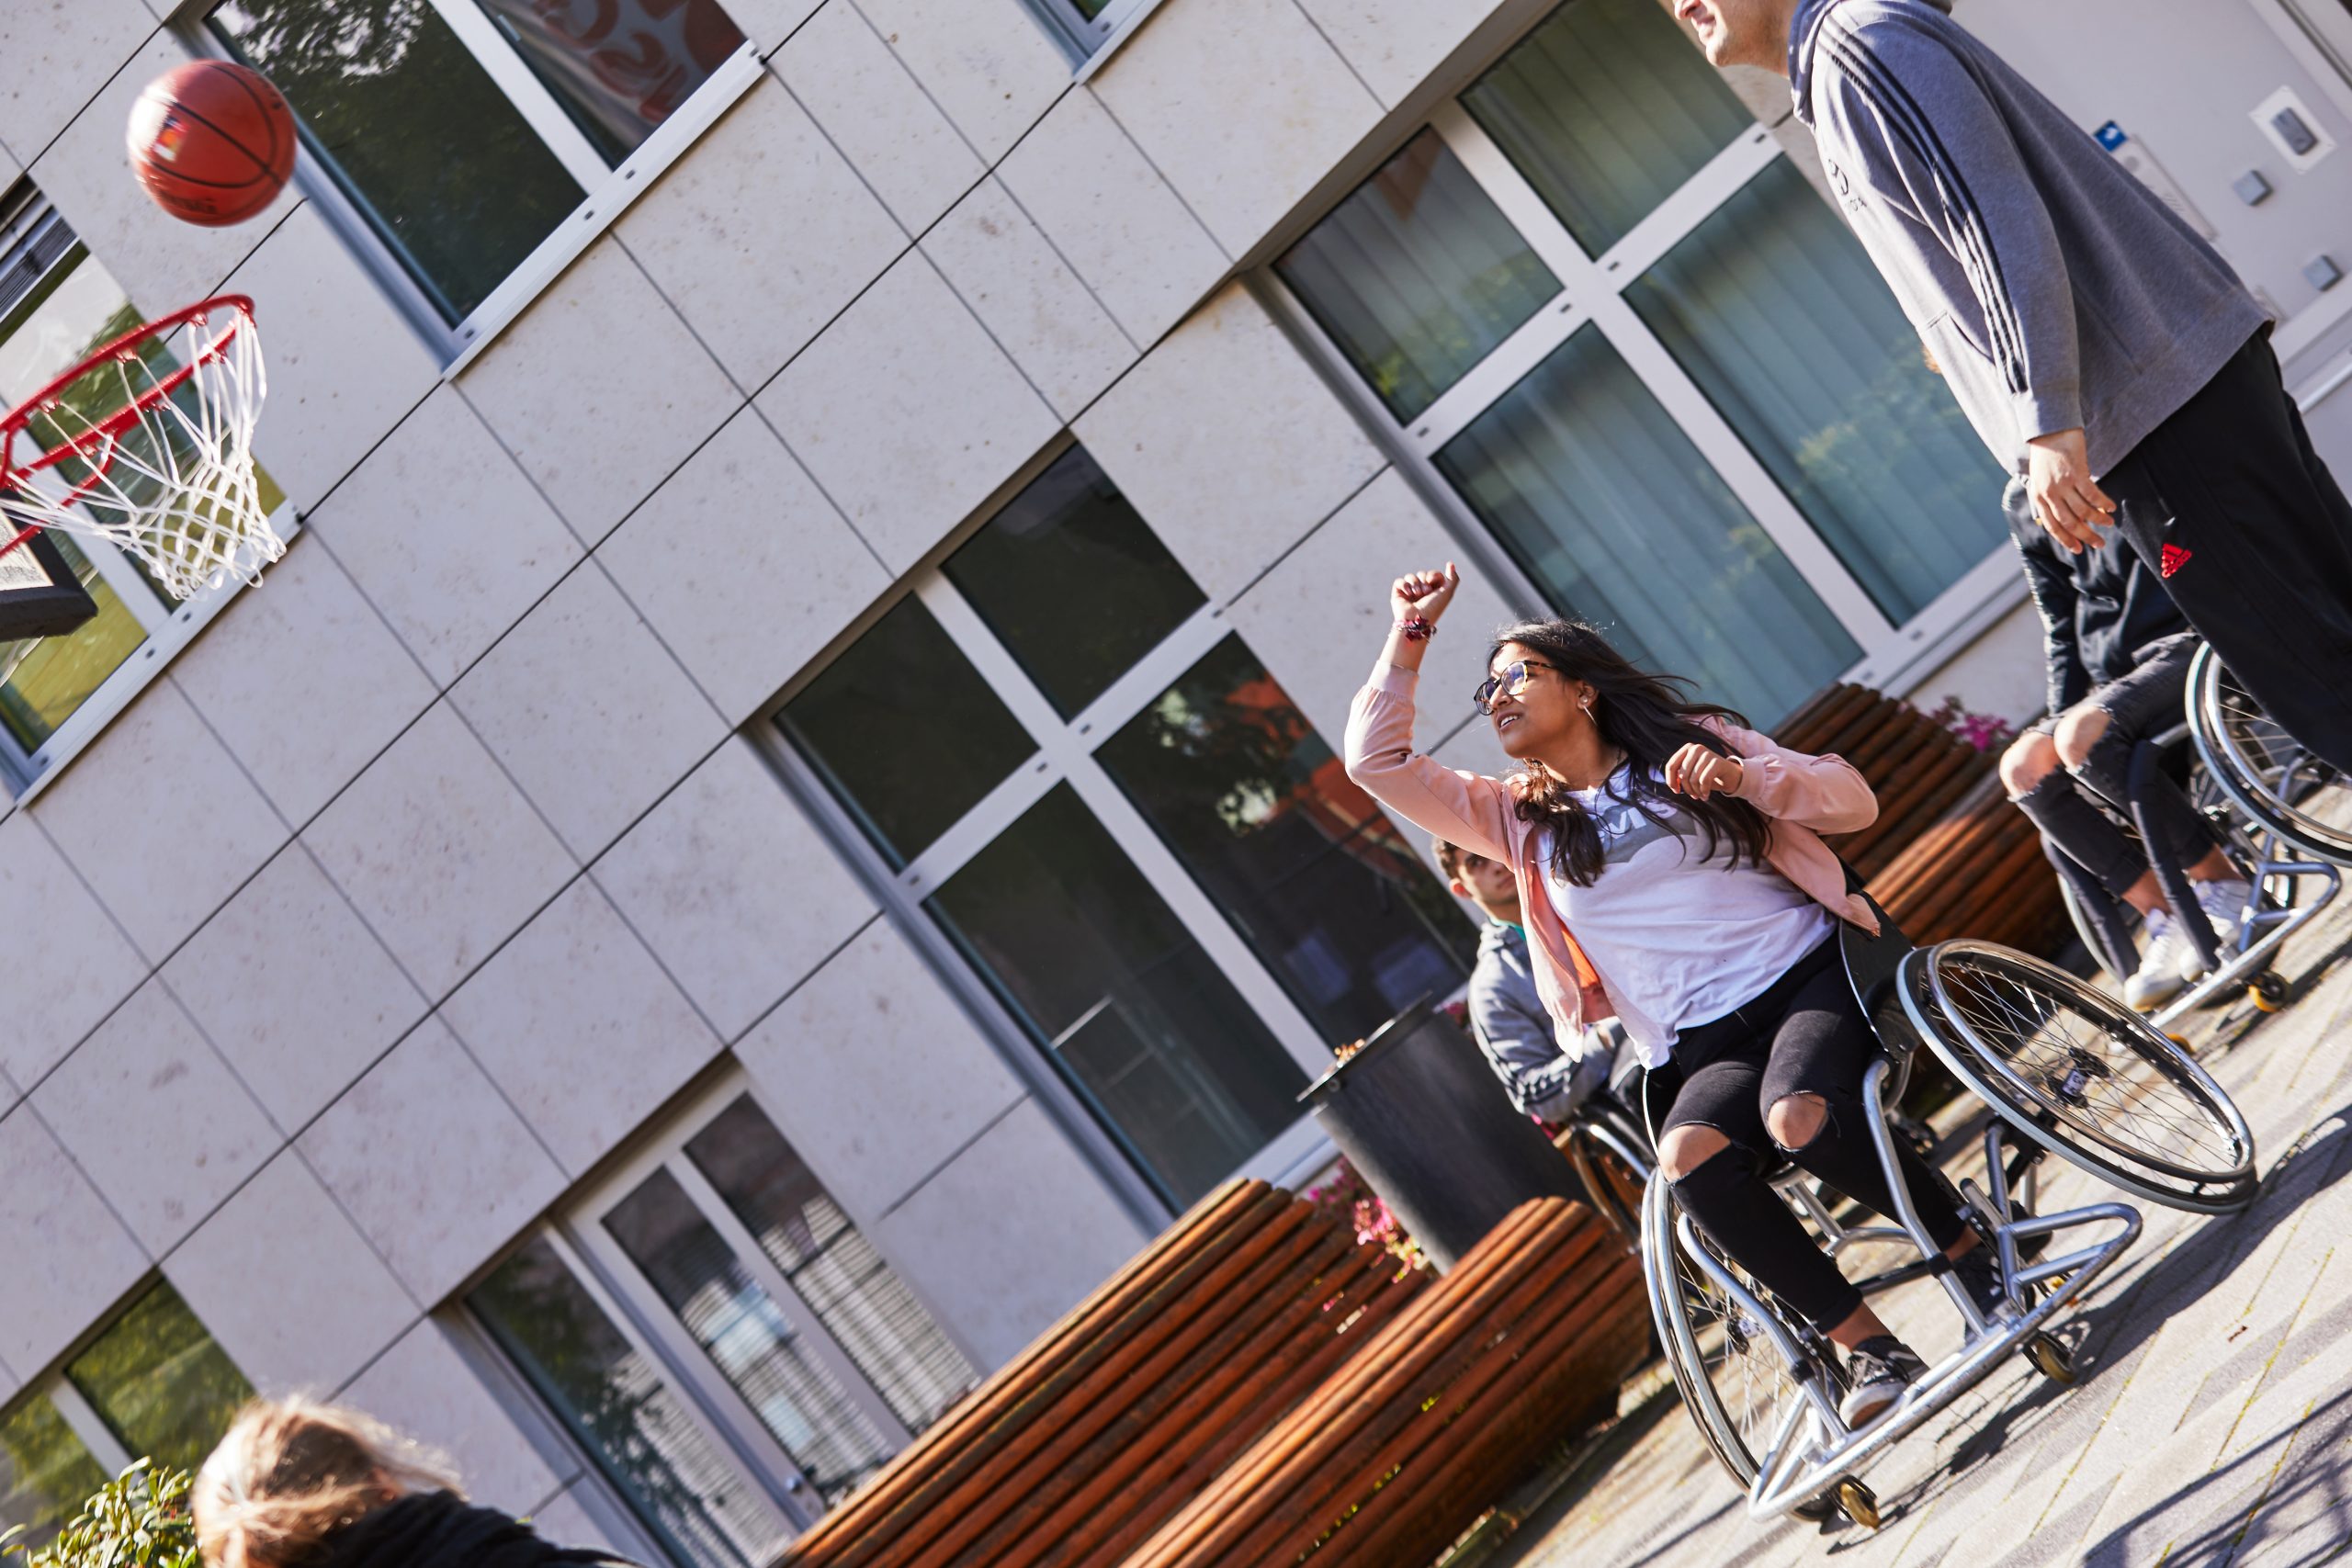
1649,717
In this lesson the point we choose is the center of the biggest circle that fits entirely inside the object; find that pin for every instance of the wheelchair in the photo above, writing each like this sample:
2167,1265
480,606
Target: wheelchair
2067,1070
2277,813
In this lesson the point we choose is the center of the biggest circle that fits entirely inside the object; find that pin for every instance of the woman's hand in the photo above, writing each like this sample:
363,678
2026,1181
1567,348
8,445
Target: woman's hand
1423,594
1699,773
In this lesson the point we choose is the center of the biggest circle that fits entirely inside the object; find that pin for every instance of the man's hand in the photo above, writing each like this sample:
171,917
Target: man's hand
2067,503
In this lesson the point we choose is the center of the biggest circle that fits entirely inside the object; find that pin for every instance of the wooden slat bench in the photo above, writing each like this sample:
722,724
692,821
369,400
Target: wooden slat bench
1123,1411
1524,1343
1948,855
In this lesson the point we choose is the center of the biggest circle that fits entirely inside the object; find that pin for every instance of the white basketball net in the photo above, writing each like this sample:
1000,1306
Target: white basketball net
164,471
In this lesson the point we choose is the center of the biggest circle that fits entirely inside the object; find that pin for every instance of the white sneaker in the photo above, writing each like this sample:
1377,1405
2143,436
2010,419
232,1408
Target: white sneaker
2225,904
2165,968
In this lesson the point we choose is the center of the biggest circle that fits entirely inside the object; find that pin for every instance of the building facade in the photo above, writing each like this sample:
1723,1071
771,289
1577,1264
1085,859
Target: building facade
780,817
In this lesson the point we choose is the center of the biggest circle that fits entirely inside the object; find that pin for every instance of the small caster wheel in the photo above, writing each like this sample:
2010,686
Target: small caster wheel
2052,1359
1815,1510
2268,992
1859,1502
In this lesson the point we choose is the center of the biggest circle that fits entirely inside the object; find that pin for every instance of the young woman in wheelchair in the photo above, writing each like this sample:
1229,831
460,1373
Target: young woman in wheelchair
1682,853
2118,651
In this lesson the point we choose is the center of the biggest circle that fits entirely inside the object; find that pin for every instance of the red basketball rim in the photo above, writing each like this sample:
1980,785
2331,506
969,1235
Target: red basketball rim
103,431
77,444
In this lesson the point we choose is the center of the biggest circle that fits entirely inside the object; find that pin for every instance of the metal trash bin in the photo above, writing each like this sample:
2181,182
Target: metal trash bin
1420,1114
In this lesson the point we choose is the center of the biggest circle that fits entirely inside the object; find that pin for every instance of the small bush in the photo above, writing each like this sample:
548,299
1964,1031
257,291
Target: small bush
140,1519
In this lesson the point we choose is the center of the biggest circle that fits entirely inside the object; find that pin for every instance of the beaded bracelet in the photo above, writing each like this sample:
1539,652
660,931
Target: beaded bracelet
1417,628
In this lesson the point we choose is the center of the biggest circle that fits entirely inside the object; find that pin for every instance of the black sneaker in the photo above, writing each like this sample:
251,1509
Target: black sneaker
1877,1371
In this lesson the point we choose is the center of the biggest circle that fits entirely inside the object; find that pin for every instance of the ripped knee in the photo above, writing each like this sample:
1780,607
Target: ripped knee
1795,1121
2030,759
1685,1148
2077,732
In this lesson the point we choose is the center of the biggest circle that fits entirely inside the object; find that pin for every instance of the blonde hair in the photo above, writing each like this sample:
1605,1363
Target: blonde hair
292,1472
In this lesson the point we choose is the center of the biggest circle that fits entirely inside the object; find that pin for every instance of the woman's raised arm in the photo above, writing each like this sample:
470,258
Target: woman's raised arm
1464,809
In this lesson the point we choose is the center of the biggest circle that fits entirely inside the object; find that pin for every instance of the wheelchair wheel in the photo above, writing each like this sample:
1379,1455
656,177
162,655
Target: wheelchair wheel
2265,773
1732,1378
2081,1073
1607,1152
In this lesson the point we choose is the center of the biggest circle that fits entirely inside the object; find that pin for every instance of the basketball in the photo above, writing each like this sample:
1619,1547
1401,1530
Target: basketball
213,142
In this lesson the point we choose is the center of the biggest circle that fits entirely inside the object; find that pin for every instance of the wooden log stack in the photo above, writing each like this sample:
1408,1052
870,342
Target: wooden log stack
1522,1344
1123,1411
1948,855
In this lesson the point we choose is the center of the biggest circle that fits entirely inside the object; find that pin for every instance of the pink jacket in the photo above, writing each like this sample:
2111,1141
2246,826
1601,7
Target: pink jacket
1805,796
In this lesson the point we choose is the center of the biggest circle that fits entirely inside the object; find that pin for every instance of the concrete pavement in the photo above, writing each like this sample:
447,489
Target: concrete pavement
2213,1422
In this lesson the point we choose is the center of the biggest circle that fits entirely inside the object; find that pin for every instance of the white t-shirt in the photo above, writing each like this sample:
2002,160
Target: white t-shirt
1681,940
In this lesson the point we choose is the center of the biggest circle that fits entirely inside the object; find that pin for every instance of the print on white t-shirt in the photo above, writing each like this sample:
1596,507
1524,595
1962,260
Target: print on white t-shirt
1678,936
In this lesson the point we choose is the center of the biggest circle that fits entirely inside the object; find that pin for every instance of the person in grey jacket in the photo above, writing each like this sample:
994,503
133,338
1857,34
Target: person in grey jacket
2100,347
1507,1016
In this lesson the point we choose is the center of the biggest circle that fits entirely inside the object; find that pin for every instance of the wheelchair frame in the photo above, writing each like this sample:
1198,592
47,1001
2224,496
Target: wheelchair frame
2260,851
1812,1451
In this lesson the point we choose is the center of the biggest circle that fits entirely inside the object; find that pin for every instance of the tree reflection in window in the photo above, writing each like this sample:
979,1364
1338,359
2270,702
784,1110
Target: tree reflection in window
156,1379
642,1437
1301,860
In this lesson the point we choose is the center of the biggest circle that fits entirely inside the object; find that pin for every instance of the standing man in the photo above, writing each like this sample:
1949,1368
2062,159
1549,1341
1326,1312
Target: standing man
2101,348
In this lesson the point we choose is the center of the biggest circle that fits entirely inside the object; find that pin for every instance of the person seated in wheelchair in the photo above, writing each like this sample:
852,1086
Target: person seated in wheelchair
1683,852
2118,651
1546,1076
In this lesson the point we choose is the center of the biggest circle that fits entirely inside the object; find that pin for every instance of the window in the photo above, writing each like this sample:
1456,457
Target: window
1086,785
709,1305
57,303
152,1385
478,142
1083,26
1596,301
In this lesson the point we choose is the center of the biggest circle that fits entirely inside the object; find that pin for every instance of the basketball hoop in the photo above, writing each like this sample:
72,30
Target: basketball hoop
153,457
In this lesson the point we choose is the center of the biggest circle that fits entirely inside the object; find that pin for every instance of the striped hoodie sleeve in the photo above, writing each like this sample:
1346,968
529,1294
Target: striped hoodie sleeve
1932,144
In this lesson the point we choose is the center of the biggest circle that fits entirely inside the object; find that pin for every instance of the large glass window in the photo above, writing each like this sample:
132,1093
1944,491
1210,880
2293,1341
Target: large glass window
905,692
1119,819
1777,314
152,1385
1606,110
1603,497
465,132
1297,856
46,1471
1417,276
159,1383
1121,994
1718,439
715,1331
830,1265
611,1392
1072,583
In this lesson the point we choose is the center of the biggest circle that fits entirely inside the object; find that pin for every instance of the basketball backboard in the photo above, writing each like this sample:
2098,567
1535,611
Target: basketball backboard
39,594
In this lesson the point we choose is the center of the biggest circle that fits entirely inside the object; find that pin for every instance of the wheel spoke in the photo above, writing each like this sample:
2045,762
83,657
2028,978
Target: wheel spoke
2086,1069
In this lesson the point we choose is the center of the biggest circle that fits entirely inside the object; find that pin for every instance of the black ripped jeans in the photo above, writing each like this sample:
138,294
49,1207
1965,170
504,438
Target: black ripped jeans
2147,700
1806,1035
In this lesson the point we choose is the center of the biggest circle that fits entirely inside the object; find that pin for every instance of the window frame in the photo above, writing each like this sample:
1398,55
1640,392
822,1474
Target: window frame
1090,42
1592,293
1064,753
574,1232
168,627
608,193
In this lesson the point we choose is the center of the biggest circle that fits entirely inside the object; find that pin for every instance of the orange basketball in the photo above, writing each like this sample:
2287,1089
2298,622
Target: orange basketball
213,142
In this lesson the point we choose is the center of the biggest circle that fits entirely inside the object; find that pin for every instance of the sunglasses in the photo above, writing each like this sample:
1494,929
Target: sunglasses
1510,683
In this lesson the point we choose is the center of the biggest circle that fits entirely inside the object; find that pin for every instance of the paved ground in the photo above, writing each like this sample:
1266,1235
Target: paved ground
2213,1422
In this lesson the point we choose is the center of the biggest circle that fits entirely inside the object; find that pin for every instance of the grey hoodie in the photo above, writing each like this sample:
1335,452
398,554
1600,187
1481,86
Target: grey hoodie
1509,1022
2055,290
